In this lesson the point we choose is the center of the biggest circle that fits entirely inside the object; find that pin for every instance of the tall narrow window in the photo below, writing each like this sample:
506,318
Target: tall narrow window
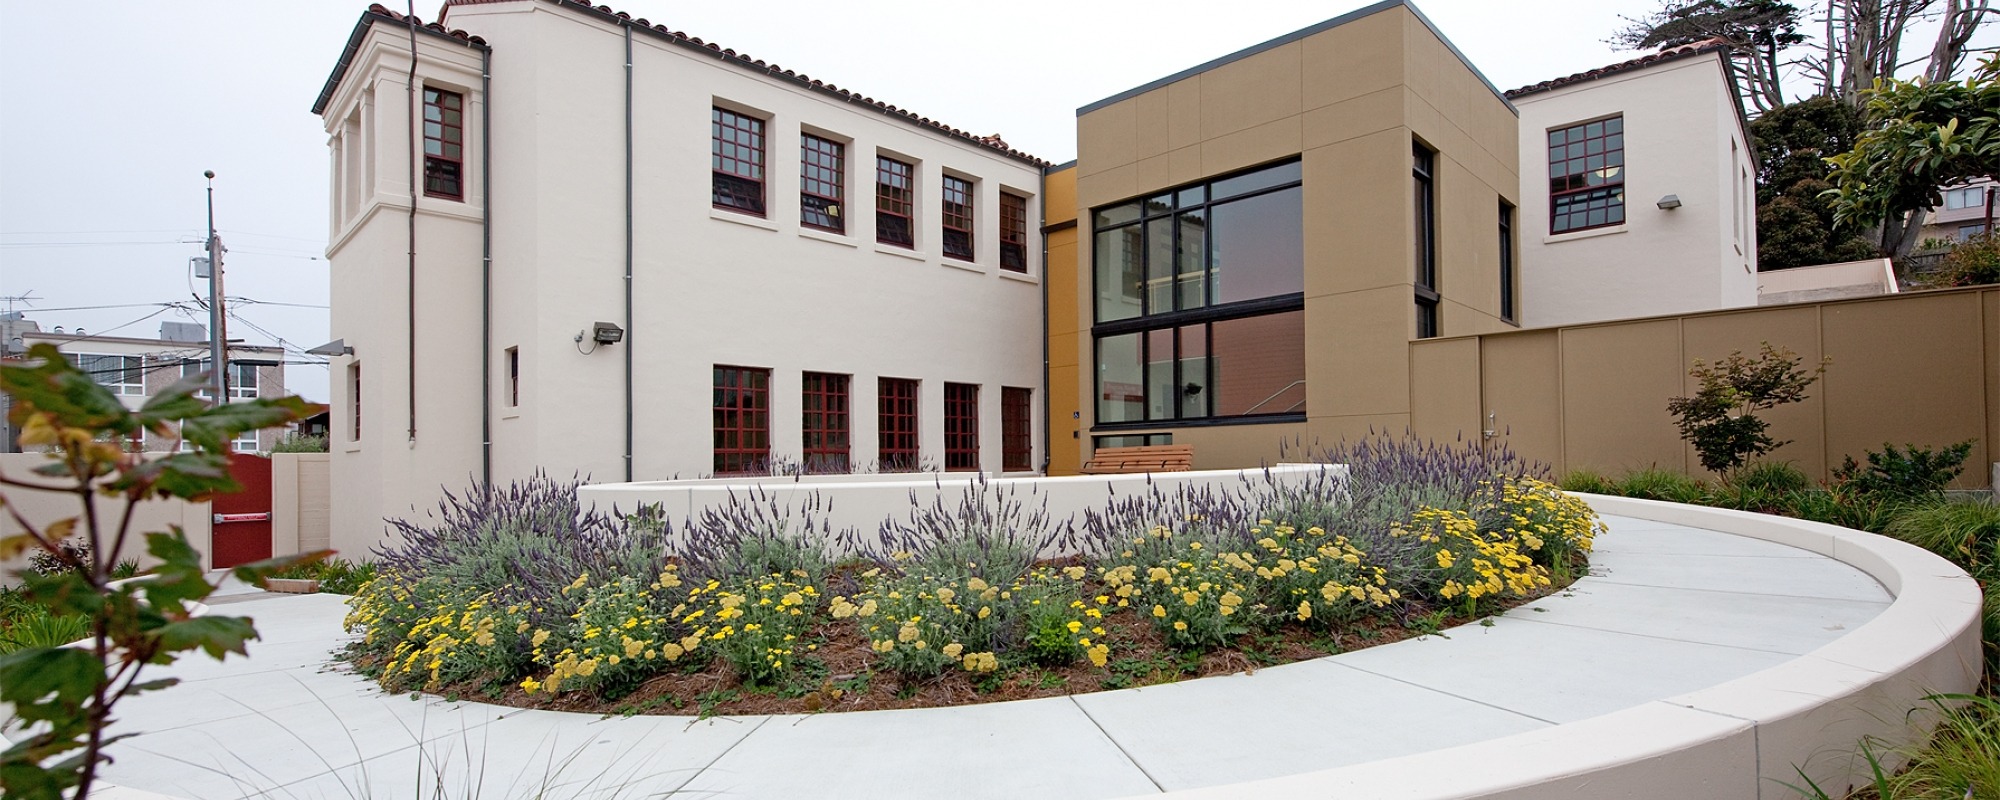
513,376
444,144
1017,431
742,420
822,183
825,423
1423,162
354,401
896,420
1587,175
961,427
738,159
895,202
1506,261
958,218
1013,233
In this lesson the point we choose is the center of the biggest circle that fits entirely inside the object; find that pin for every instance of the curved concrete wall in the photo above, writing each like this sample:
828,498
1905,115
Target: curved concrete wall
1742,739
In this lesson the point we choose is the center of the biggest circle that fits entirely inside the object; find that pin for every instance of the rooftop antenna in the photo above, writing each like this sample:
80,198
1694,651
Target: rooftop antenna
25,298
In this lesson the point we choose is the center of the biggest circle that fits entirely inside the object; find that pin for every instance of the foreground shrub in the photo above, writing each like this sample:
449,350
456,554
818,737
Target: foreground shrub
1908,473
1720,419
624,630
1774,477
1588,481
1655,483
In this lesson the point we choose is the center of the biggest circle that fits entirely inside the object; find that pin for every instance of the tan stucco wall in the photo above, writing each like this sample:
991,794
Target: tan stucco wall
301,504
1920,368
41,508
1065,437
1347,101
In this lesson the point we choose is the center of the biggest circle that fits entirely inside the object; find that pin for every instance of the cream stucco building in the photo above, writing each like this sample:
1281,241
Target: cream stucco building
1638,191
577,242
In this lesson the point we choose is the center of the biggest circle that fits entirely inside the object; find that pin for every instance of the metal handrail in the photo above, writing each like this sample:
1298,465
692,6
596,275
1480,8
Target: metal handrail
1274,396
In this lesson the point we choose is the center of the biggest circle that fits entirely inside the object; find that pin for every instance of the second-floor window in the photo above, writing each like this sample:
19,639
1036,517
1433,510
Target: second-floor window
120,374
1013,233
737,155
444,144
821,183
1587,175
1423,165
895,202
242,378
958,218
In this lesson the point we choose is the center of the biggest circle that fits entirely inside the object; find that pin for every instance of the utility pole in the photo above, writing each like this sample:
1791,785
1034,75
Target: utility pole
218,339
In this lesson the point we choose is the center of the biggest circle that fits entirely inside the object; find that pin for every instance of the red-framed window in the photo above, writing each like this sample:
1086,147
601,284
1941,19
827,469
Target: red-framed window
742,420
958,218
1013,233
822,183
961,427
896,402
444,144
895,202
738,158
1587,175
825,424
1017,431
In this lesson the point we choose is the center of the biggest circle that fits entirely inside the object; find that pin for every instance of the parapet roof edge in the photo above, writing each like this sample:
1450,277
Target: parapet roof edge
376,12
1365,11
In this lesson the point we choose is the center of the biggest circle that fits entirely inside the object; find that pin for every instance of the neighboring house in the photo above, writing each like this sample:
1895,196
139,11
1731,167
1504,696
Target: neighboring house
1257,239
136,369
1963,214
652,257
1638,190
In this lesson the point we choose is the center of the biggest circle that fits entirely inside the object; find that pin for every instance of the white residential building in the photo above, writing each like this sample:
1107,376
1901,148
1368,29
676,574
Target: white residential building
1638,191
636,255
136,369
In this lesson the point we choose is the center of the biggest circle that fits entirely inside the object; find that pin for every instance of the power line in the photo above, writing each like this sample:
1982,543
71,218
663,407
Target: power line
249,301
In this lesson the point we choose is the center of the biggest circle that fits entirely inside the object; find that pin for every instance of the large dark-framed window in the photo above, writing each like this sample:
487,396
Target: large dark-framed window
958,218
1423,178
825,424
895,202
444,144
1587,175
742,420
737,155
961,427
1017,429
822,183
1200,303
896,402
1507,278
1013,232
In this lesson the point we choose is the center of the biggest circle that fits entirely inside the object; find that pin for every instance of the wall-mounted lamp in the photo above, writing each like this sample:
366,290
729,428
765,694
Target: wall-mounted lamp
1669,203
606,333
337,347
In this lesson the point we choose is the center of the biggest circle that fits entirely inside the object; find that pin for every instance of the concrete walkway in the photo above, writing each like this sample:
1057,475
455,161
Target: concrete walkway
1667,610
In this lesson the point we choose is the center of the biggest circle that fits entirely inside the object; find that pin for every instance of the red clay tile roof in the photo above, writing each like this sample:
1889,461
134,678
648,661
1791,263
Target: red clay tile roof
1665,55
744,60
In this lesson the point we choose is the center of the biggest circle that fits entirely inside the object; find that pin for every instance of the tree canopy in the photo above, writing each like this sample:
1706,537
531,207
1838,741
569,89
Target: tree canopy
1920,136
1795,225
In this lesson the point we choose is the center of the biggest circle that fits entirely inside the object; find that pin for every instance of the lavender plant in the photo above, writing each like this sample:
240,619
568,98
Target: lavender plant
756,534
990,533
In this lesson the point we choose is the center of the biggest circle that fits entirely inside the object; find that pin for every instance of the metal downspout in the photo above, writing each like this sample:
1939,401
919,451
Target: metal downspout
410,276
630,339
486,269
1048,404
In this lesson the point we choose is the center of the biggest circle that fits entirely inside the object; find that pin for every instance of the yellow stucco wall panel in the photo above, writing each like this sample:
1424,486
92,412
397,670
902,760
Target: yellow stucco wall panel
1362,60
1251,92
1358,116
1251,146
1711,338
1355,353
1616,380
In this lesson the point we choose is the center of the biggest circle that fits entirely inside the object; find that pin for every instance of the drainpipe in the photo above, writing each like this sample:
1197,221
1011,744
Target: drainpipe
486,269
416,118
630,339
1048,405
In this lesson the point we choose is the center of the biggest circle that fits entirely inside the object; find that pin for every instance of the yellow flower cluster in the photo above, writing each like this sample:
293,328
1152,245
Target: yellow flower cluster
1197,596
1555,527
441,635
921,625
1324,579
622,631
1474,564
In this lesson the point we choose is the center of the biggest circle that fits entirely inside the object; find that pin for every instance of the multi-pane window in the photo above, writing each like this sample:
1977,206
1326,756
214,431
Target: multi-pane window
242,378
896,422
120,374
1587,175
958,218
738,158
825,424
444,144
1423,163
1200,301
961,427
895,202
1506,261
822,183
742,420
1966,197
1013,233
1017,434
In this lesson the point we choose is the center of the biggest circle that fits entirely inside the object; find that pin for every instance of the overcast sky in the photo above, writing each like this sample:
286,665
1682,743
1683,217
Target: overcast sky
110,111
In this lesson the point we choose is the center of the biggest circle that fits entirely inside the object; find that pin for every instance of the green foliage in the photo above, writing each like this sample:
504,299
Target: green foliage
1654,483
1588,481
39,628
1908,473
66,694
1973,262
335,575
300,443
1919,136
1720,419
1794,219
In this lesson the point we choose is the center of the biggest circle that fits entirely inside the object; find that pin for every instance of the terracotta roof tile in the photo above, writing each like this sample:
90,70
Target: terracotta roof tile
1665,54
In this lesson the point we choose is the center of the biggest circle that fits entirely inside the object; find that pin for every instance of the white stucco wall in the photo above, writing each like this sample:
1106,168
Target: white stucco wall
709,286
1680,127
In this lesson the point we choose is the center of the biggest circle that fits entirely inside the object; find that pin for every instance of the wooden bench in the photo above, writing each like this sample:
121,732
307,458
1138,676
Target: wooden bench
1148,458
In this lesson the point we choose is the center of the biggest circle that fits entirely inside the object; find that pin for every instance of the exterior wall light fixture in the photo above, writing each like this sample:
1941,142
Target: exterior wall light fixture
1669,203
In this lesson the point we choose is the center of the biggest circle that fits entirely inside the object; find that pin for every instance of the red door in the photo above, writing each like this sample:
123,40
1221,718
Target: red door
243,519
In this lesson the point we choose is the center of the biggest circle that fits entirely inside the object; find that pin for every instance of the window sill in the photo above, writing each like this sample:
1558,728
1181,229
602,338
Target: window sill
1587,234
829,237
515,415
352,448
1019,276
893,250
742,219
964,265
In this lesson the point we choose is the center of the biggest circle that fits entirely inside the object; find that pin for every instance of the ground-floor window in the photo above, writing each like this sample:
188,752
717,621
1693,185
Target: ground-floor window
1246,366
961,427
825,427
896,422
742,420
1017,431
